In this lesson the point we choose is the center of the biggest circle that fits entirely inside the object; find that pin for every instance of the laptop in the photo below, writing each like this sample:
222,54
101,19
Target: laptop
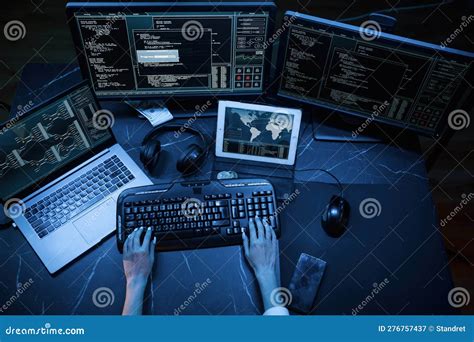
61,172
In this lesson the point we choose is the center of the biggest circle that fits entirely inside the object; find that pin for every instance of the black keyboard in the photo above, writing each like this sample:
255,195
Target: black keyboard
54,210
196,214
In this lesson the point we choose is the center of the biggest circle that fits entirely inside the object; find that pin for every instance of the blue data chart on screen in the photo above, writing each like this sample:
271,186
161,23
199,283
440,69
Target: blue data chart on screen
40,142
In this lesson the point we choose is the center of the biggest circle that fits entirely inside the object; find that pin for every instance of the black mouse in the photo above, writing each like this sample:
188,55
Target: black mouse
335,216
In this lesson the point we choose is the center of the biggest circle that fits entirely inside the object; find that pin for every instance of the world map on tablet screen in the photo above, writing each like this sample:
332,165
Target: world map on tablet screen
257,133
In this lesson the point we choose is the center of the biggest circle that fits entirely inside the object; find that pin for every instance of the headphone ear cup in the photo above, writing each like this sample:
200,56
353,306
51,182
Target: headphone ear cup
190,160
150,154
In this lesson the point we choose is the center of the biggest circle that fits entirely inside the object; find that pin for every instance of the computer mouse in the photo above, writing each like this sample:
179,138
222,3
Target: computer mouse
335,216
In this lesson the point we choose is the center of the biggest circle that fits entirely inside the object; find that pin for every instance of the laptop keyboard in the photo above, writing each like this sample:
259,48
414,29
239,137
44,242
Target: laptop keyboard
75,197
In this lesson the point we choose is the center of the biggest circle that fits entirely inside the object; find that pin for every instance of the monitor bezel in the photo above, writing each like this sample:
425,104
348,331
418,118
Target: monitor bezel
442,126
74,7
73,163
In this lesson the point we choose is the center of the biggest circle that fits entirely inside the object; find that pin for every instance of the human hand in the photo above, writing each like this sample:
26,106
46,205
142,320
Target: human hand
138,258
261,251
261,247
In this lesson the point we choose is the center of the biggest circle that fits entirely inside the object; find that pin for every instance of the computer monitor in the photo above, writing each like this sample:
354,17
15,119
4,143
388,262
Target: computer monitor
143,50
378,76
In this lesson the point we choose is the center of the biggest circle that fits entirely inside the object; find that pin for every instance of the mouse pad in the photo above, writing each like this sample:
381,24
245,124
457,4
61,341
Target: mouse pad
391,236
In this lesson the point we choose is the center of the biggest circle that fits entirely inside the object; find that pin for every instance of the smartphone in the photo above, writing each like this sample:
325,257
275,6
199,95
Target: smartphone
305,282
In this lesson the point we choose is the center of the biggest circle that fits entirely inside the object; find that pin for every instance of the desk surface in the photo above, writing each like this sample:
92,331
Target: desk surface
402,247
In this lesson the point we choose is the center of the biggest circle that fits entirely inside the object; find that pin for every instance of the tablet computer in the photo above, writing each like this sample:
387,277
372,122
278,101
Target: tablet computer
257,132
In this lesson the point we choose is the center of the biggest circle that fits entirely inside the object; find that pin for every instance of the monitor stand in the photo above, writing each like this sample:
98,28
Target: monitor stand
341,128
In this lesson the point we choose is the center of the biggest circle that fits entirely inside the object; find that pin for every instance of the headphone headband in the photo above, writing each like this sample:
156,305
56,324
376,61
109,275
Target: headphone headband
173,128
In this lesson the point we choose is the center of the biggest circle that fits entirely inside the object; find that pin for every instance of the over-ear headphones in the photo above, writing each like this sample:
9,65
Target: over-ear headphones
191,158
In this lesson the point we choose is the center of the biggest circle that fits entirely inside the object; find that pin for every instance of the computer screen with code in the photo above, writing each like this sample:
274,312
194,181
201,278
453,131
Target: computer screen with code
390,80
138,53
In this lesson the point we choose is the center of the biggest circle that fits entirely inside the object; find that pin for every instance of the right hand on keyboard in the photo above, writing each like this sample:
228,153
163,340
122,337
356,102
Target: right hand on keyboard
260,246
261,251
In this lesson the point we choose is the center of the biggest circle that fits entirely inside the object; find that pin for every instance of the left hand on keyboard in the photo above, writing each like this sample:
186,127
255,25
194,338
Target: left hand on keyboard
138,258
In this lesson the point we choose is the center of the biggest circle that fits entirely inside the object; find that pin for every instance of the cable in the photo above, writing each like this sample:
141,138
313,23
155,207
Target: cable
397,9
341,188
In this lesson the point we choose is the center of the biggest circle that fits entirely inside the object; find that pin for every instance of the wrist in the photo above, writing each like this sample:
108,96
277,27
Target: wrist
136,284
266,276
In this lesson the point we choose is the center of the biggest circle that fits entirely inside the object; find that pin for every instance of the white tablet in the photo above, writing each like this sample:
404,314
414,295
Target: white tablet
258,133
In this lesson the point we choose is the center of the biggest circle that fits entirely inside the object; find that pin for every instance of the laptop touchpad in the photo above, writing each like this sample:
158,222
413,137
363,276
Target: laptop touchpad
98,223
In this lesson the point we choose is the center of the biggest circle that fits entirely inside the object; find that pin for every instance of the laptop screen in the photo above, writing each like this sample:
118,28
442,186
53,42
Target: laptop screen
35,145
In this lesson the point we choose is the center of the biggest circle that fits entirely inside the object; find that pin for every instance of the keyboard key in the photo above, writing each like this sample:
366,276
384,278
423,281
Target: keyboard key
220,223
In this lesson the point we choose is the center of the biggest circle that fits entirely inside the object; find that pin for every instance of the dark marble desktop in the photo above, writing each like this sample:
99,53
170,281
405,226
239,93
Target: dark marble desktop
401,247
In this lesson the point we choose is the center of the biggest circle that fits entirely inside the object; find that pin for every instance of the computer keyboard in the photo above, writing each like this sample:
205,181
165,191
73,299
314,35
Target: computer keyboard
54,210
196,214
